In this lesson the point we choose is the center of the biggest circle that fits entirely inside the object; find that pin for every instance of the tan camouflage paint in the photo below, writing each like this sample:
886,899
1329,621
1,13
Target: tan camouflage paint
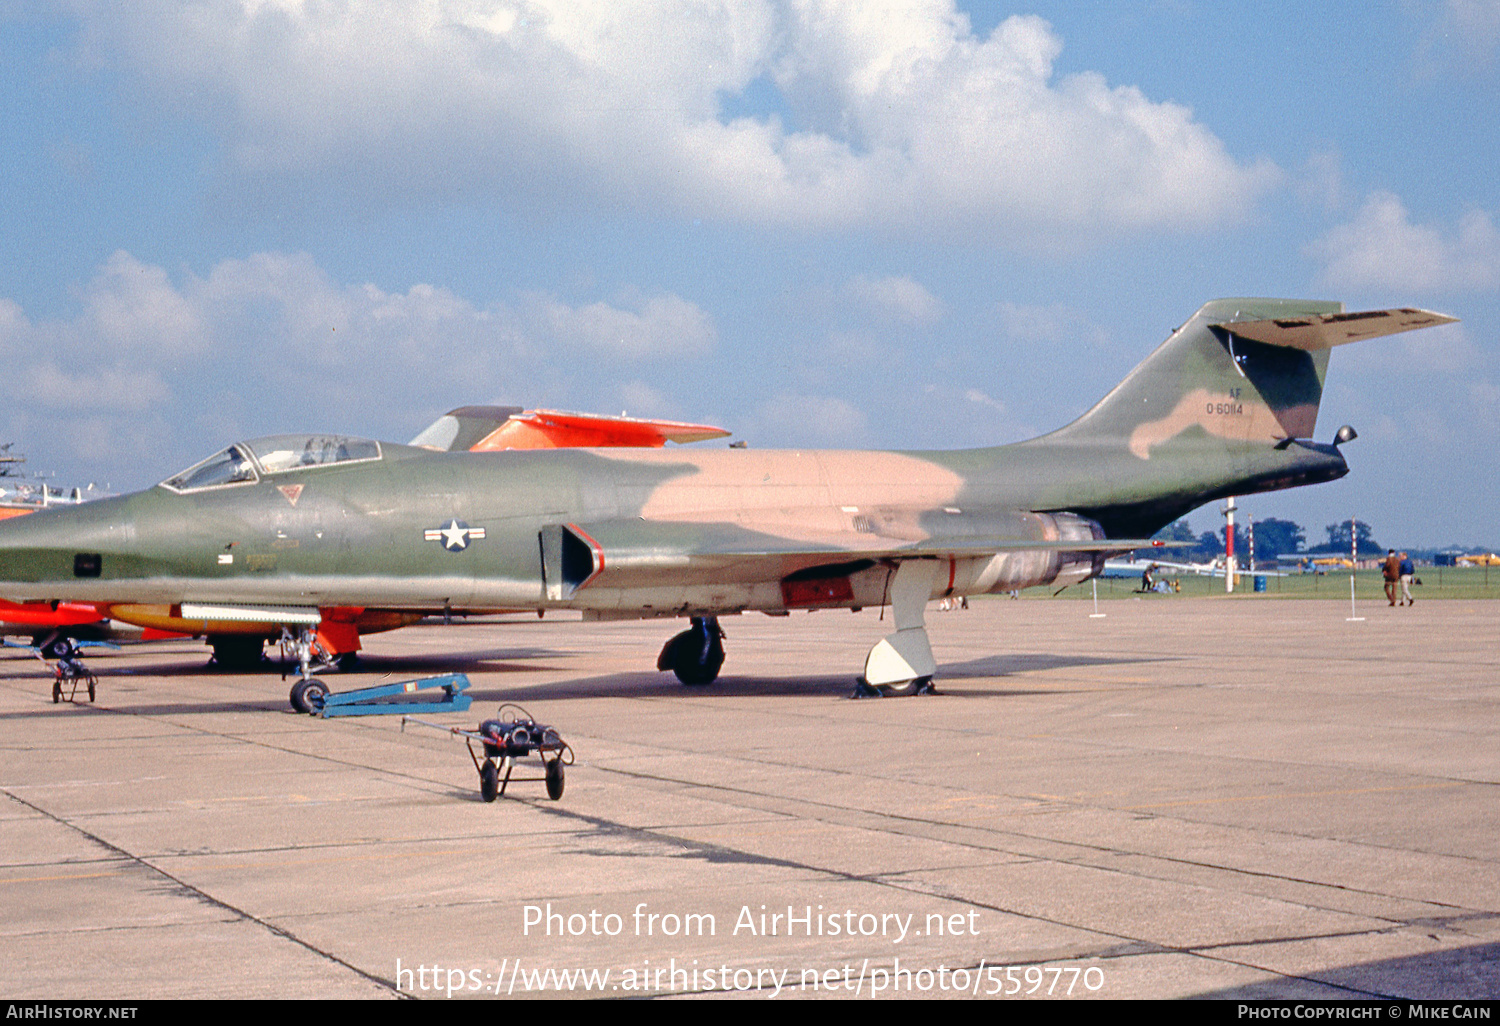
790,493
1224,416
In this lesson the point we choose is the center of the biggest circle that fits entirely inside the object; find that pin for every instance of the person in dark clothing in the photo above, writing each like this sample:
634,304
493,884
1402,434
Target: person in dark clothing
1392,568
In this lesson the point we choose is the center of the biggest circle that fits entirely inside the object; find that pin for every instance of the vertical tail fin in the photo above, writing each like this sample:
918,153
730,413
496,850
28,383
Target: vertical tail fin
1243,372
1225,406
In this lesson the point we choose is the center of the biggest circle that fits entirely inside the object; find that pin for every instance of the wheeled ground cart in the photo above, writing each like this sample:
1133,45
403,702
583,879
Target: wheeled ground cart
513,734
68,676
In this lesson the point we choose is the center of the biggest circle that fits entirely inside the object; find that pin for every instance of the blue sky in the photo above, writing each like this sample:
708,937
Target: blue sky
897,226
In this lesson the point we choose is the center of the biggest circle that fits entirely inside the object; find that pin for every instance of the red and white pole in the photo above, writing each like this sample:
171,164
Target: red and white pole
1229,566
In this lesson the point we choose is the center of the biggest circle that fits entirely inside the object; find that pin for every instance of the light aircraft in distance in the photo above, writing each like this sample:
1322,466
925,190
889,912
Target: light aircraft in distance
282,530
1479,559
1133,568
20,495
1322,564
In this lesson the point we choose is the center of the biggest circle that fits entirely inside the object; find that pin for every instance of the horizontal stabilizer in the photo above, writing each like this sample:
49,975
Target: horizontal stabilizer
1324,331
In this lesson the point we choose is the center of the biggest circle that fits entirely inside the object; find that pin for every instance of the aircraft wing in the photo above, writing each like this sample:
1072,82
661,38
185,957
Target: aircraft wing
1324,331
638,553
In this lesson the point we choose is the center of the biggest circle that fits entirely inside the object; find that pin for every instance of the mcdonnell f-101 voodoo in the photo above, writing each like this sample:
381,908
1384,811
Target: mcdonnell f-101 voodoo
298,529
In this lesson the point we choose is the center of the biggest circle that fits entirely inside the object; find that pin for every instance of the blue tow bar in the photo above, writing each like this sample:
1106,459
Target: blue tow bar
376,701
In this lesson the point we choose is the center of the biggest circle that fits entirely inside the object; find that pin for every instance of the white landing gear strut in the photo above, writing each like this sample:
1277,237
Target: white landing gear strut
902,663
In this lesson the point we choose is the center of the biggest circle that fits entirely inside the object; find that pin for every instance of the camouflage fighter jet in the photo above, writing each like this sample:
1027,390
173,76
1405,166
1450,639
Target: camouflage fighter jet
300,529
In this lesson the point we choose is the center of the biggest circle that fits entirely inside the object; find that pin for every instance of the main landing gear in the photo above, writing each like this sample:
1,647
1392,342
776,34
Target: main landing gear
899,664
237,653
696,654
902,663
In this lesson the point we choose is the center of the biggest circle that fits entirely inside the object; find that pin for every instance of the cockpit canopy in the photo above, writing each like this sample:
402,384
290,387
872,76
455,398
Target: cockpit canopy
244,462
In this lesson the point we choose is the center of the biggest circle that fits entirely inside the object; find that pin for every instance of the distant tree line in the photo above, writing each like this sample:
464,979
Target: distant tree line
1274,537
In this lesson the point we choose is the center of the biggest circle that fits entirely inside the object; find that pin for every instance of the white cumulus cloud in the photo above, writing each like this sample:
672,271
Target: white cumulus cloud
133,306
119,389
815,419
661,326
901,297
1050,326
1477,24
271,343
885,115
1383,248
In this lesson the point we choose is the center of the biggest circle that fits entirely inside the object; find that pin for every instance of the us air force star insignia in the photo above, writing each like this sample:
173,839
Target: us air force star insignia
455,535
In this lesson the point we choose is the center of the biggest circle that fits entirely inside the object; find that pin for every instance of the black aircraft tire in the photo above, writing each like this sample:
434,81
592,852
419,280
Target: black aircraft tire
694,666
92,683
489,781
668,658
696,655
314,695
555,779
56,691
308,694
921,685
696,675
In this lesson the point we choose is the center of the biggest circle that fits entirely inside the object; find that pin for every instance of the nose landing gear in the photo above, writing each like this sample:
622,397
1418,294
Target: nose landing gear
308,692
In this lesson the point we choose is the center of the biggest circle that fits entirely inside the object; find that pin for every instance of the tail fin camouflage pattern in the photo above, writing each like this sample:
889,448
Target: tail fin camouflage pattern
1226,406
